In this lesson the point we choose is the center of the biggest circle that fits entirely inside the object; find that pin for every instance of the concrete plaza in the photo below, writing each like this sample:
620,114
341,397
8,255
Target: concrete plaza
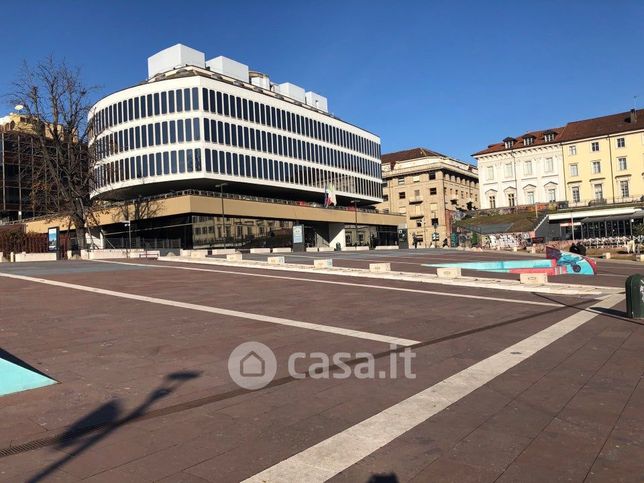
509,386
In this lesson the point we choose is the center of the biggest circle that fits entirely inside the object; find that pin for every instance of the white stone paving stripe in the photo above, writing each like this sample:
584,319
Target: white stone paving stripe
337,453
346,284
216,310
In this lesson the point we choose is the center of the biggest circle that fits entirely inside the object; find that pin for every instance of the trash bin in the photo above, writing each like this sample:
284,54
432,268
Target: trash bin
635,296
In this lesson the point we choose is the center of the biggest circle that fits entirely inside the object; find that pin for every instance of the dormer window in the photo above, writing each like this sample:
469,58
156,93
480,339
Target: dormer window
528,140
549,136
509,142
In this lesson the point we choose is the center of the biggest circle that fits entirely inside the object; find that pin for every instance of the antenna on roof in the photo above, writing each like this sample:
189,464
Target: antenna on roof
634,102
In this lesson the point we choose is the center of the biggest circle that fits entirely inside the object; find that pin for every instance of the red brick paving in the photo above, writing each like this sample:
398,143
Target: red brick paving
573,411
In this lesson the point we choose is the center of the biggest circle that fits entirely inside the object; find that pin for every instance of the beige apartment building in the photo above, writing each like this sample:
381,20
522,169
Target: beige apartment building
430,189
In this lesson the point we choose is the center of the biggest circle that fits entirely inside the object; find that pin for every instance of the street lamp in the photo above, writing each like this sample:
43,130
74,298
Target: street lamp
18,108
223,214
128,223
355,208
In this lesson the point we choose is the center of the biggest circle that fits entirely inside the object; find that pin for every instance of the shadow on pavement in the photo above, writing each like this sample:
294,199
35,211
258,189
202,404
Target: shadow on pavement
106,419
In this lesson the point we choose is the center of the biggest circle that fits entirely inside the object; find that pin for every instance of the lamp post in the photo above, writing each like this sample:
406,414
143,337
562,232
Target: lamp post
355,208
128,223
223,214
18,108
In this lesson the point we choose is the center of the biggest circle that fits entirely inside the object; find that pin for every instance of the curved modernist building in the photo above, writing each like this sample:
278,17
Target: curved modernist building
196,124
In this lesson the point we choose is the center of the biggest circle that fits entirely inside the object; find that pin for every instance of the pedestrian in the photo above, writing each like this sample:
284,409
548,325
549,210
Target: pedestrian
573,248
415,242
445,243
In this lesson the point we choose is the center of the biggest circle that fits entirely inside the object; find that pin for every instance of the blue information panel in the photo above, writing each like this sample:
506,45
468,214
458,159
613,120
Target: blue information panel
52,239
298,234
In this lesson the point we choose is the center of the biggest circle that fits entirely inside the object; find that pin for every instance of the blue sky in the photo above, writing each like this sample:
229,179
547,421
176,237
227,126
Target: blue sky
452,76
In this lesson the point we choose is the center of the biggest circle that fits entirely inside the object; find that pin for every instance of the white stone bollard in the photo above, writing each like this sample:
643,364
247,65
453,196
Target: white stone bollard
380,267
323,263
260,250
448,272
514,249
276,260
533,250
607,256
533,278
639,258
234,257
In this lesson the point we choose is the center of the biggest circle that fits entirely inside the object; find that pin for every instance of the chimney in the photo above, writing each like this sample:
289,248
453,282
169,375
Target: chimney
633,118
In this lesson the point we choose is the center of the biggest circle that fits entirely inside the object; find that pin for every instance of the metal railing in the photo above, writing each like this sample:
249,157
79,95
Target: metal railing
213,194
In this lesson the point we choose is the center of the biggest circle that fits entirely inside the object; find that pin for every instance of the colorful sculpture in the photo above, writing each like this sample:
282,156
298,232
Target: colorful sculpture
557,262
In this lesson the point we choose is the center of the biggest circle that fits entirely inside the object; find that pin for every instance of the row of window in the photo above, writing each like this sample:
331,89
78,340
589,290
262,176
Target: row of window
598,191
401,180
432,192
140,107
137,167
551,195
232,164
155,134
594,146
622,165
258,140
508,169
575,194
240,108
171,132
184,100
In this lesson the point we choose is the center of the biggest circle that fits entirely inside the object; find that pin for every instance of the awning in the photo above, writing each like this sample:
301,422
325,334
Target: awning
634,216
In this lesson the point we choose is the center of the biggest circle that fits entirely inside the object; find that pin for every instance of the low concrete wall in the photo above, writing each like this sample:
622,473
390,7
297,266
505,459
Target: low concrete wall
353,249
387,247
311,249
380,267
282,250
260,250
223,251
276,260
448,272
325,249
533,278
35,257
198,253
323,263
234,257
111,253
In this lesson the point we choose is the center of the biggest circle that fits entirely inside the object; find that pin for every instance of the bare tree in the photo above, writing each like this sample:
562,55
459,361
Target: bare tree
56,104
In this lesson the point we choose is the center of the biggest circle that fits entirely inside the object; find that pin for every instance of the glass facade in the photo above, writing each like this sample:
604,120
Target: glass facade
234,136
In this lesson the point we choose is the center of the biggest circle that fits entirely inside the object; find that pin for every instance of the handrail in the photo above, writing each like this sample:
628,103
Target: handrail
215,194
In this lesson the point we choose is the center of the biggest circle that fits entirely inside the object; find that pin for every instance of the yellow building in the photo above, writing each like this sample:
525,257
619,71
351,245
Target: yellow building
604,159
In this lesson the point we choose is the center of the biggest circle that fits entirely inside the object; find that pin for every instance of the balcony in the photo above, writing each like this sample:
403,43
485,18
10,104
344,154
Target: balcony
415,199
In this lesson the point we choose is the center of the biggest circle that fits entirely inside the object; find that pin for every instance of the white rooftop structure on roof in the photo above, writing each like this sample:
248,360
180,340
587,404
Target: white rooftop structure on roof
180,55
228,67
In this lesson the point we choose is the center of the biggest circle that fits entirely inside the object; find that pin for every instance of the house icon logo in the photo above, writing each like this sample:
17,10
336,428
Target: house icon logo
252,365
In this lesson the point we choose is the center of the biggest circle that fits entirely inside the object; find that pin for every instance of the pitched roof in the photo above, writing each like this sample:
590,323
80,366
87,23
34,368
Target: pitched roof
587,128
415,153
539,140
602,126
